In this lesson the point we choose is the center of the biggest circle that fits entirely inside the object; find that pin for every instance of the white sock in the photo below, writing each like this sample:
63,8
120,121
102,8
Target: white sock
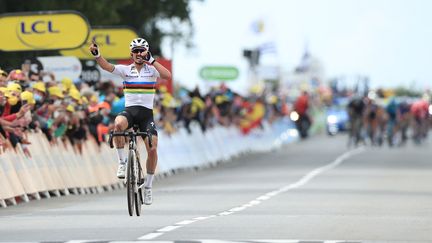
149,181
121,155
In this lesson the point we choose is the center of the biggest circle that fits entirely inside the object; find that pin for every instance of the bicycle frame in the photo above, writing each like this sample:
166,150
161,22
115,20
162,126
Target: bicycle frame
134,178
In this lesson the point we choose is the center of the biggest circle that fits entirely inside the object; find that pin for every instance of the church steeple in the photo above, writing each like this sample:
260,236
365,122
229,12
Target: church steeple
306,60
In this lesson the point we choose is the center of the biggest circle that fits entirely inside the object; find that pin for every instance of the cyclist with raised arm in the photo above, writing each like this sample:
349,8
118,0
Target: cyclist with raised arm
139,90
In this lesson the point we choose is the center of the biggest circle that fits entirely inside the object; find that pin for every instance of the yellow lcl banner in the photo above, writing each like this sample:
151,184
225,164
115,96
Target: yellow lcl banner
113,43
43,30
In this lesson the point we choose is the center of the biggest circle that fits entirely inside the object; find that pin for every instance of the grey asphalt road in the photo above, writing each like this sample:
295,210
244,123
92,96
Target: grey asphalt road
314,190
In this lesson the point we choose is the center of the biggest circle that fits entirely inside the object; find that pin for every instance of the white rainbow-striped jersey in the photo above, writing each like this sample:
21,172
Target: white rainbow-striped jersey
138,88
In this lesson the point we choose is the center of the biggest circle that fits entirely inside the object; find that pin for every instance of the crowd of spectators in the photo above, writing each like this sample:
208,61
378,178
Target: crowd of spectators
72,110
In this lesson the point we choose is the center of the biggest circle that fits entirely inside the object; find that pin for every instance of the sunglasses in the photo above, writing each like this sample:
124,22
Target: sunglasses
139,51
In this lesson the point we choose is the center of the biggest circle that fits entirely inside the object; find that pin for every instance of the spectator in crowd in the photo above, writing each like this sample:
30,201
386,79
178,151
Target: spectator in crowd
3,78
254,116
304,121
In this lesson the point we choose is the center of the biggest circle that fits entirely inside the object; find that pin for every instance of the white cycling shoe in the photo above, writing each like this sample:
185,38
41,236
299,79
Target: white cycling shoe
148,199
121,171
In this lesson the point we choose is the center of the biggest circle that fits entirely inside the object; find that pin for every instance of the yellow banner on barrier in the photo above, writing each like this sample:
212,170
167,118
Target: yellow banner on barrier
43,30
112,41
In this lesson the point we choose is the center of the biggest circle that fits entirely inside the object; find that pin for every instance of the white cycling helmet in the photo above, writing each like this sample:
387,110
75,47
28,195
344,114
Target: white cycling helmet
139,43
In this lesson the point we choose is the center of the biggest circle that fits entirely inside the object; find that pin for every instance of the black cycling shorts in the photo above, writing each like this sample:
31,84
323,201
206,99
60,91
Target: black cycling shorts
140,116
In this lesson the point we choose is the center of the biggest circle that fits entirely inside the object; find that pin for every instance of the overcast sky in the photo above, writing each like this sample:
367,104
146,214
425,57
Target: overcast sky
388,40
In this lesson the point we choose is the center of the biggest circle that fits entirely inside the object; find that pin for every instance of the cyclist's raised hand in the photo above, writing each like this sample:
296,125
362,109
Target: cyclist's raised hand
94,49
149,58
104,64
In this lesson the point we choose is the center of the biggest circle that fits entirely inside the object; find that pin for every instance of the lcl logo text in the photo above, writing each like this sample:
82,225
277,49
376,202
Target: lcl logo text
103,39
38,27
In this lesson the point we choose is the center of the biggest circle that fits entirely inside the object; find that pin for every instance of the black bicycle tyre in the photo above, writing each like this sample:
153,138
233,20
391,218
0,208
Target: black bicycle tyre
138,196
130,185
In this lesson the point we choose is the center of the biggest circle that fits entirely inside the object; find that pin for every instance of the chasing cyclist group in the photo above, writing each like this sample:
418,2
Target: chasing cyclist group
394,122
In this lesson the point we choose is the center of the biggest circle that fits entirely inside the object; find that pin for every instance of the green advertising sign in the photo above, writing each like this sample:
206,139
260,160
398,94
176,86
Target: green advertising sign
219,73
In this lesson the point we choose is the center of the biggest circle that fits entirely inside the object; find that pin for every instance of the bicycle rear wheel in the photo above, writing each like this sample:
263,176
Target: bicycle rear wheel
130,182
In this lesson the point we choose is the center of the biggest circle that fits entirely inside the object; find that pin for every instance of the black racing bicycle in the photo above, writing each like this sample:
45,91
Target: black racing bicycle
134,175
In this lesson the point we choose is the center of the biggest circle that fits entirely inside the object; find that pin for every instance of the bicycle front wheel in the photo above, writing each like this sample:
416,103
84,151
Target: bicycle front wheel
138,193
130,182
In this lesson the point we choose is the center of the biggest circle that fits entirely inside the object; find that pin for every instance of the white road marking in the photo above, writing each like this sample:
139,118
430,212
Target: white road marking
150,236
277,241
247,205
128,241
305,179
254,202
272,194
185,222
219,241
215,241
78,241
225,213
169,228
203,218
237,209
